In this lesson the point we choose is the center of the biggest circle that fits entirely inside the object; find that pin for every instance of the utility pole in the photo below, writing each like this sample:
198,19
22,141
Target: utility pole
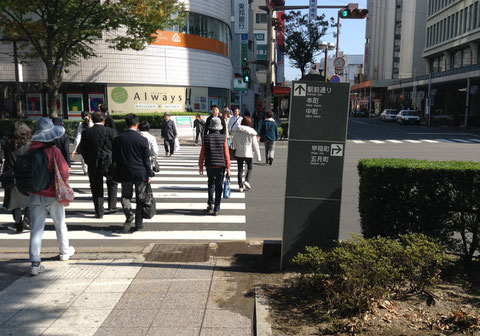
268,92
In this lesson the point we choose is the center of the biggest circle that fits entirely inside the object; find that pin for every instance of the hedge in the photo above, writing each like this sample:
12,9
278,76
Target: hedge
438,198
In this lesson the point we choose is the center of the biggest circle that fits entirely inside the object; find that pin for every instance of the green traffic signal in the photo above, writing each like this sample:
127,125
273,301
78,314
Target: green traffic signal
344,13
246,78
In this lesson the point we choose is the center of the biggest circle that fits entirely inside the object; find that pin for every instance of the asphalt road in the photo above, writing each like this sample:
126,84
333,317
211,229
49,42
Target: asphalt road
367,138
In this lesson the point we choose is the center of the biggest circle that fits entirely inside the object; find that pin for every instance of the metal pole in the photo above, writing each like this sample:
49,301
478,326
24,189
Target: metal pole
370,102
429,107
325,66
338,34
18,101
467,103
268,93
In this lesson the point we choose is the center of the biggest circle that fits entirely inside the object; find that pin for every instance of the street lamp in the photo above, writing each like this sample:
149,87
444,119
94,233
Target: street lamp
326,46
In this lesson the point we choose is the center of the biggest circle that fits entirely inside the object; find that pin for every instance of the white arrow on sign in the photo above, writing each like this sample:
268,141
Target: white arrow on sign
336,150
300,89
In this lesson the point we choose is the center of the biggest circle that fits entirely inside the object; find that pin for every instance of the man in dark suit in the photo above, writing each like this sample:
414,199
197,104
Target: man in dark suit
131,155
96,148
63,143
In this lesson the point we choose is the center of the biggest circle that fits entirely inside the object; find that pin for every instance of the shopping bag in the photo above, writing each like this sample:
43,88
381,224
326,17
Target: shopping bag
63,191
156,167
177,145
147,202
226,187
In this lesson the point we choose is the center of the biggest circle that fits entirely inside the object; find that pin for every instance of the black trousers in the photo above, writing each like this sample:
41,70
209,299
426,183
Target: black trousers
127,194
198,133
240,162
96,185
169,145
17,215
215,186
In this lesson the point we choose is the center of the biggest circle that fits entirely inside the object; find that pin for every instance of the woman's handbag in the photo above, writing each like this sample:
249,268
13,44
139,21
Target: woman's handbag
226,187
63,191
147,202
156,167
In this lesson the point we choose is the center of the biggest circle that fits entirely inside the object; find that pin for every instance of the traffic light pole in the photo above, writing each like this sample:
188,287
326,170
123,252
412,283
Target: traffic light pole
268,92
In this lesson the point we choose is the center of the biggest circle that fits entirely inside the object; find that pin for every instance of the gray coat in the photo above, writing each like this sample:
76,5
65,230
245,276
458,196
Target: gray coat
169,130
13,197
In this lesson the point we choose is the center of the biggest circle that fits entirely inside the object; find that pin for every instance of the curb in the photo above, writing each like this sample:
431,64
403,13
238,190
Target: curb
262,308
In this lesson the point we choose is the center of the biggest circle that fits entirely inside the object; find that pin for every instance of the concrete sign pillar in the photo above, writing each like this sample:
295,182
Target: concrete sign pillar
316,151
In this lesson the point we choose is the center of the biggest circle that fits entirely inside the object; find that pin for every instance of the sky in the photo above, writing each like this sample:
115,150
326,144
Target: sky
352,32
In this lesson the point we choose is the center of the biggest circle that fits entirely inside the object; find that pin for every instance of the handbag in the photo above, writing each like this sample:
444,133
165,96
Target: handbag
63,191
226,187
147,202
156,167
177,145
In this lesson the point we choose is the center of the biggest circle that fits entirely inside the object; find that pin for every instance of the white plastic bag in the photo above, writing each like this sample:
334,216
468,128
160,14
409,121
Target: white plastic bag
177,145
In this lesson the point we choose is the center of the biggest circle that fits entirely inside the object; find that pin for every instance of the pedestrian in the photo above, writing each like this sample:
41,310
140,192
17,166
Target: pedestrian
234,121
16,143
214,155
226,113
108,118
86,123
63,143
169,133
133,167
268,135
214,112
96,148
245,144
45,202
144,128
199,125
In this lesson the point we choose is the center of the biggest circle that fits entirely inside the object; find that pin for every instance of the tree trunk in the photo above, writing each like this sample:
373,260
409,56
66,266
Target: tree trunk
54,80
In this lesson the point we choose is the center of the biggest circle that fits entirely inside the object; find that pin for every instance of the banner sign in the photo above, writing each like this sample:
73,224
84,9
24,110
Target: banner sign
94,99
74,105
240,12
312,10
34,105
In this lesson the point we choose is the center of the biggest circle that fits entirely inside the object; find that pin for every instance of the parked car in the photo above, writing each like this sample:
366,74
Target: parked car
388,115
407,117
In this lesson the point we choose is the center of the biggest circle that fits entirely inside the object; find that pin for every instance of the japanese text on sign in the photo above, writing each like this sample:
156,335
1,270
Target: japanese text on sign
241,16
319,155
312,105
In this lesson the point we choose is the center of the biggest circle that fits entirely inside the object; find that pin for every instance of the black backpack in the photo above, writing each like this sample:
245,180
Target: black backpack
31,171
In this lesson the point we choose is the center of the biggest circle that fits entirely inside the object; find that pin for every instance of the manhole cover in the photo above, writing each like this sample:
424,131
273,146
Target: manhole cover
178,253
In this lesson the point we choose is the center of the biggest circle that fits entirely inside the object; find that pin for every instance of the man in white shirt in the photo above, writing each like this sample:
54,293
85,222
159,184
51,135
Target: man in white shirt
234,121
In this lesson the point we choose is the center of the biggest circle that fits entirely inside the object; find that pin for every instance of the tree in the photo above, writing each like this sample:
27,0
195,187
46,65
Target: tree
61,32
302,38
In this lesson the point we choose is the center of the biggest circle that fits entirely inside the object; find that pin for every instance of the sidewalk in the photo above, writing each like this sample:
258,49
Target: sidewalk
129,297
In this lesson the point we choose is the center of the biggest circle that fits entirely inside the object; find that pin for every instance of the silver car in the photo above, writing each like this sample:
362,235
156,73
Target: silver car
388,115
407,117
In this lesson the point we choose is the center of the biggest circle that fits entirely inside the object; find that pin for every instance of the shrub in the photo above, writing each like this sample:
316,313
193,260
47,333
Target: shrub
354,275
440,199
283,130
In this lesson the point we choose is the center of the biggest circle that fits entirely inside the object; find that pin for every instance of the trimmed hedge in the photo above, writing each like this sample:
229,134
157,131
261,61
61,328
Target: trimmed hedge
438,198
283,130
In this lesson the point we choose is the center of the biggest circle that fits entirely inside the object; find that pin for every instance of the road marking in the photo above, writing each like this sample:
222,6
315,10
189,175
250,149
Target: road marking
444,134
394,141
460,140
163,206
137,235
429,141
377,141
474,140
157,219
413,141
358,141
157,185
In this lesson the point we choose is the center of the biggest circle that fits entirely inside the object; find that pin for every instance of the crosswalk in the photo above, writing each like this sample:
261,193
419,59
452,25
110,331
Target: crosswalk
417,141
181,197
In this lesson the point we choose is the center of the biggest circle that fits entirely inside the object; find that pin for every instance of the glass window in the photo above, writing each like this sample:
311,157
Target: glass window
475,15
260,18
466,57
457,59
442,64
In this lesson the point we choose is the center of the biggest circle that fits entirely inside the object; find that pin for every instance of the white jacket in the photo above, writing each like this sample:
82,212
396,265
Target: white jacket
245,142
152,144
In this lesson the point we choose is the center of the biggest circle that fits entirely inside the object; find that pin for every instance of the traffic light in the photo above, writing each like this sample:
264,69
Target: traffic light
352,12
246,75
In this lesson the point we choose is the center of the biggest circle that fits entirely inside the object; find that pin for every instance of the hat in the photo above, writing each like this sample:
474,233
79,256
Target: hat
166,114
46,131
215,124
57,121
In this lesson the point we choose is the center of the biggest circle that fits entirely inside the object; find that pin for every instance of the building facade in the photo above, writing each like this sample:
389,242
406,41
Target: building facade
187,69
353,67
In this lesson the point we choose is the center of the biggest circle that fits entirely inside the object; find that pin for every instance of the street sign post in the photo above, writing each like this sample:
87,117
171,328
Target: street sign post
335,79
316,151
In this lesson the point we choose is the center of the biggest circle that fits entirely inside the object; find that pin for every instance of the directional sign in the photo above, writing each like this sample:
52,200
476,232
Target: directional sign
316,153
335,79
300,89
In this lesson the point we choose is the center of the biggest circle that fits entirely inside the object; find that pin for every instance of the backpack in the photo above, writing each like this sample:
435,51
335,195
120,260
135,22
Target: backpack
31,171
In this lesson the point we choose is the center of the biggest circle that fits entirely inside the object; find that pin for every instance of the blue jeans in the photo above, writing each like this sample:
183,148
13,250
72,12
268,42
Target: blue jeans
215,185
40,207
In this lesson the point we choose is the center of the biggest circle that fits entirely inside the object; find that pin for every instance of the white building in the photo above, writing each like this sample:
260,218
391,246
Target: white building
353,67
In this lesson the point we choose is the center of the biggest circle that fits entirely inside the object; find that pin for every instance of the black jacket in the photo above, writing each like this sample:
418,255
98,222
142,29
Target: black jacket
63,143
207,124
169,130
215,150
96,145
131,156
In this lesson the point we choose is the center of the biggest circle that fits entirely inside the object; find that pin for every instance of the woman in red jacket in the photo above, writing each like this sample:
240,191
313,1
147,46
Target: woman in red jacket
45,202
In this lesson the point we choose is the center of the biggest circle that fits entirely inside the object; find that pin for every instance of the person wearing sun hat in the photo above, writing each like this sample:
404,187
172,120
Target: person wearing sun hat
45,202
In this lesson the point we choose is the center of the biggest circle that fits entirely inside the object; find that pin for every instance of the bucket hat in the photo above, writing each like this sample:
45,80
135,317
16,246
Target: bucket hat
46,131
215,124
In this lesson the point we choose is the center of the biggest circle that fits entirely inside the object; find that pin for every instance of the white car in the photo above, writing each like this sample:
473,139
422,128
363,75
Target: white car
407,117
388,115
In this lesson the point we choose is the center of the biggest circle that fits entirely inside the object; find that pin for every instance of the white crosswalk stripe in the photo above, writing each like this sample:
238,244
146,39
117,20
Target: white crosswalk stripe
181,195
414,141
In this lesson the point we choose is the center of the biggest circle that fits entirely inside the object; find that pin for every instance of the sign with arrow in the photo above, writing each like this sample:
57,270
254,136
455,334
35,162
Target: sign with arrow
316,152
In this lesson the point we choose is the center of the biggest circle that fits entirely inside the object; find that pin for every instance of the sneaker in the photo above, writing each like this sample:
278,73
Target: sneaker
209,209
26,223
241,189
19,227
36,268
270,161
247,185
66,256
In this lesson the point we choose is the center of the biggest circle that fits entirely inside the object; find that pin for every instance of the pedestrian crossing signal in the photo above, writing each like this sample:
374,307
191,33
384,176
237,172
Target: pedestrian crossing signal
246,75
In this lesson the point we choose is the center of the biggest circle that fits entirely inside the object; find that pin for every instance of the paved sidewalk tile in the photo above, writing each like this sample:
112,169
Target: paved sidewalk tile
174,332
96,301
129,318
215,318
178,318
145,301
190,285
6,314
24,331
226,331
108,286
139,285
54,300
184,300
77,331
11,300
105,331
35,317
68,286
73,318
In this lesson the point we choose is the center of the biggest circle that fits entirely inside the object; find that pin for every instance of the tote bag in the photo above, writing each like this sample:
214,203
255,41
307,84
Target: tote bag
147,203
63,191
226,188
